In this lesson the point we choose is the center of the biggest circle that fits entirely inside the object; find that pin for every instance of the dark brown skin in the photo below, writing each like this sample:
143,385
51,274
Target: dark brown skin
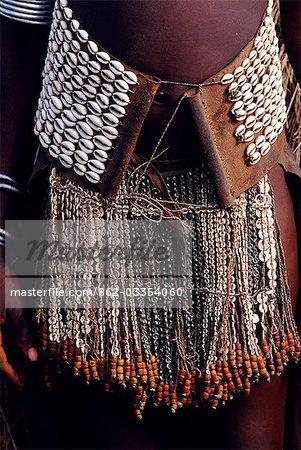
182,41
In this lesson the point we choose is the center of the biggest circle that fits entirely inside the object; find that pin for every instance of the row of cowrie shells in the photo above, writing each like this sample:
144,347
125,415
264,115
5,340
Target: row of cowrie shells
256,90
84,96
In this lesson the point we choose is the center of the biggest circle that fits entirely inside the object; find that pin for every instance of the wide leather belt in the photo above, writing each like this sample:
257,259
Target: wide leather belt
92,108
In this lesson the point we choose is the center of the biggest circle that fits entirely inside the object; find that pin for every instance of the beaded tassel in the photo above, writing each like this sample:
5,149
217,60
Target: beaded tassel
240,329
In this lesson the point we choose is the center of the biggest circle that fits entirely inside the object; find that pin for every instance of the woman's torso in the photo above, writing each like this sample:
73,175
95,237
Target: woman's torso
178,40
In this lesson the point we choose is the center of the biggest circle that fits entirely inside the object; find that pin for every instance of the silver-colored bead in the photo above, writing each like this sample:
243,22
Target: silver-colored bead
82,71
49,128
59,125
75,46
57,138
68,118
71,59
79,97
67,71
76,81
56,104
68,36
74,24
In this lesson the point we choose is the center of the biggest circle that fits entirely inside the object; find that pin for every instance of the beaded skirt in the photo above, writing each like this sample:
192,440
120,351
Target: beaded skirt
239,329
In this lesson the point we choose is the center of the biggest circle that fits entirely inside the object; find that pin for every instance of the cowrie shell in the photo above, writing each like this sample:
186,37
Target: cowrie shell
130,77
110,132
101,155
116,67
81,157
227,78
93,47
79,169
255,158
103,57
96,166
92,177
66,160
102,142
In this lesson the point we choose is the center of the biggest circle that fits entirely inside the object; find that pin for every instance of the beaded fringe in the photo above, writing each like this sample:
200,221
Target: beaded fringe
240,328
